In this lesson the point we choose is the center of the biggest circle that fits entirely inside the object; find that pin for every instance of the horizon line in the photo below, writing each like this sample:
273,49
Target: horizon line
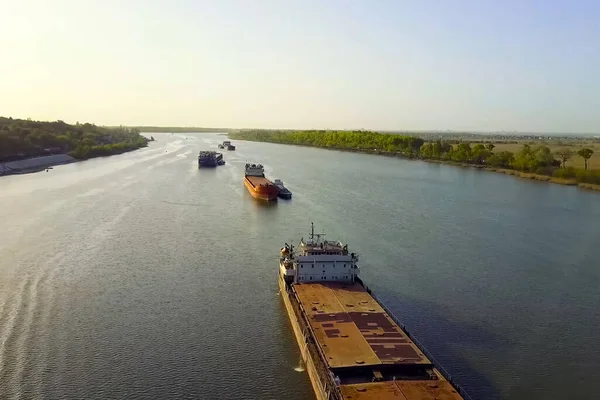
445,131
405,131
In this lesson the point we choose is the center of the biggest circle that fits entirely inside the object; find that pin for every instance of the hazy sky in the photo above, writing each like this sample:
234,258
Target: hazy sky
373,64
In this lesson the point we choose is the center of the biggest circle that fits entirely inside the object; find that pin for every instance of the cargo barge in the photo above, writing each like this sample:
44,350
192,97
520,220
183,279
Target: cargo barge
352,345
258,185
209,159
227,145
219,157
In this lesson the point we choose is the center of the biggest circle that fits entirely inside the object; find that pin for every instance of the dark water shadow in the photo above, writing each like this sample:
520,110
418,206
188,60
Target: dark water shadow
440,336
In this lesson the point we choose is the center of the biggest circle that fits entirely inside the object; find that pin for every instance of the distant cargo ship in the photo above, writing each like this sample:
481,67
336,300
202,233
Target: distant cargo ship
256,183
352,345
209,159
227,145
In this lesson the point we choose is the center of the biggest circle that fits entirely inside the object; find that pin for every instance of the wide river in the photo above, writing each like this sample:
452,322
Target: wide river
139,276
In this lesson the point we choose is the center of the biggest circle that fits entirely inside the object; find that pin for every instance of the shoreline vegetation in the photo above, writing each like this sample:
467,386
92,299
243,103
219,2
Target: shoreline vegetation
22,139
531,161
178,129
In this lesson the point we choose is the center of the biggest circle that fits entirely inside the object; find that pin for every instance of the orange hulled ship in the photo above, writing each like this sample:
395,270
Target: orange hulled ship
259,186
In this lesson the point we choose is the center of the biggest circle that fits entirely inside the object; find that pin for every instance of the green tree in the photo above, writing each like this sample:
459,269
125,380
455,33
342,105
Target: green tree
479,154
426,151
490,146
543,156
462,153
534,159
21,138
501,159
436,149
345,140
564,155
448,154
524,160
585,153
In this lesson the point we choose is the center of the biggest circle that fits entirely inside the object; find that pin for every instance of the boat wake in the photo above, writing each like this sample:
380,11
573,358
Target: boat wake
300,367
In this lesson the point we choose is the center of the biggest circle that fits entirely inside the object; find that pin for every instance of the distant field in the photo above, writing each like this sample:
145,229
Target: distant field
575,161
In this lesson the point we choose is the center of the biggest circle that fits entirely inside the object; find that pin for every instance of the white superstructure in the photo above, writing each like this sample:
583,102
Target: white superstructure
255,170
318,260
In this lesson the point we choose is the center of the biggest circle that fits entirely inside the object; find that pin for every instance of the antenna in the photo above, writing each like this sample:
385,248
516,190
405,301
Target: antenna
313,234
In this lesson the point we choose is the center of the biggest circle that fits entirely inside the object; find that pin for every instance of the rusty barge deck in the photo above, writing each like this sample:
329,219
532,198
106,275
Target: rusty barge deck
360,352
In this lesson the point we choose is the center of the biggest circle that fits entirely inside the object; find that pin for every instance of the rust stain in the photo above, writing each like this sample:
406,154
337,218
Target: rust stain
347,330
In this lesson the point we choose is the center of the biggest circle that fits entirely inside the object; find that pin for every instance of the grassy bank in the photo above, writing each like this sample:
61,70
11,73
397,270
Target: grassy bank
22,139
546,178
557,146
536,162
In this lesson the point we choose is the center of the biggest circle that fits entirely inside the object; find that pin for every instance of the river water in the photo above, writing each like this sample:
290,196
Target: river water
139,276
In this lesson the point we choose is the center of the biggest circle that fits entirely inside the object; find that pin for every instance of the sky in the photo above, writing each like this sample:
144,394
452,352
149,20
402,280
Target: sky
528,66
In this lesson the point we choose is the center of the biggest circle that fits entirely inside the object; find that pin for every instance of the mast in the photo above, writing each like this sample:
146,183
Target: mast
313,234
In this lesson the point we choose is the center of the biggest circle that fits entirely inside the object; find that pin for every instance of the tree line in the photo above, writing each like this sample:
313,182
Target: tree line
531,159
178,129
20,139
341,140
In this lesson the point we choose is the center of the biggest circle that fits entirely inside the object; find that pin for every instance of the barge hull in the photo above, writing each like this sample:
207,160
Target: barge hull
301,340
260,188
350,347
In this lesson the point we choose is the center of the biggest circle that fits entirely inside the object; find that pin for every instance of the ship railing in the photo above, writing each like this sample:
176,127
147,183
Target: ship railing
326,380
418,343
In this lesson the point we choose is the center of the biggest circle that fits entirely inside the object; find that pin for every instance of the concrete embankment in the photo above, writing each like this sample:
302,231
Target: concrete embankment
34,164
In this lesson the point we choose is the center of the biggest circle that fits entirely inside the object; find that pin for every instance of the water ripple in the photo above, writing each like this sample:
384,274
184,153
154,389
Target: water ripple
139,276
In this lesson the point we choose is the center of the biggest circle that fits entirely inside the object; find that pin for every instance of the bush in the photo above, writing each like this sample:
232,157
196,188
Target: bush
592,177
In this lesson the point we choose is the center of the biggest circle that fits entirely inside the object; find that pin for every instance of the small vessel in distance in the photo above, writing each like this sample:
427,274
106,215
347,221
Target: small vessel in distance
257,184
353,347
209,159
284,192
226,145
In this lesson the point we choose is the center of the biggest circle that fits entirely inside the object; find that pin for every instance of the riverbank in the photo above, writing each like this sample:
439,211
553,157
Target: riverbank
23,140
35,164
411,147
522,175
